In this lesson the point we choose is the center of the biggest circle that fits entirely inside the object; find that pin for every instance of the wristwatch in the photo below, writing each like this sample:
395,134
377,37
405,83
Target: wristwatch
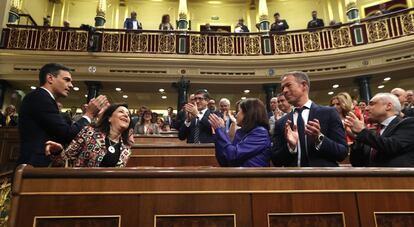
320,138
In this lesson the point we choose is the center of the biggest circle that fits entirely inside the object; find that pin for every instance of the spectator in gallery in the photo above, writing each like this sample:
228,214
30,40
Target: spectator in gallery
383,9
46,21
315,22
279,25
334,23
251,144
66,25
106,144
241,27
132,23
165,23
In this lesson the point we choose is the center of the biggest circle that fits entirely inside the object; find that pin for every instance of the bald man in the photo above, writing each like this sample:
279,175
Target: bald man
391,144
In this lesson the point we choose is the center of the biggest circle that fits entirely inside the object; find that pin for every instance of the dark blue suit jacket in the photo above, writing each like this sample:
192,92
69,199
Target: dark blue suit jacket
206,135
40,121
333,148
128,24
395,147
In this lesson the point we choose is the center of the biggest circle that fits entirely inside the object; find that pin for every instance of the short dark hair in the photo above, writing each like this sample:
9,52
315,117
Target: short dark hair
299,76
104,126
254,114
276,14
51,68
205,93
280,94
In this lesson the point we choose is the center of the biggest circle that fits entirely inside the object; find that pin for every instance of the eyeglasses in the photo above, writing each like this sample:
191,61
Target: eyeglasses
199,98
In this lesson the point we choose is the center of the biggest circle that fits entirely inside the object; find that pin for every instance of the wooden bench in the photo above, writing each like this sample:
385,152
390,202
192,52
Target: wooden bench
172,155
246,197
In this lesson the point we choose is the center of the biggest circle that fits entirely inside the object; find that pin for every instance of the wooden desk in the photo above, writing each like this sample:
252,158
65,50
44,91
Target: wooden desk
172,155
9,145
158,139
246,197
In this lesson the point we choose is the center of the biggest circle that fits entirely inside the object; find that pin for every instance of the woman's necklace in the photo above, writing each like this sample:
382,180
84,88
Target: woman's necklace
111,147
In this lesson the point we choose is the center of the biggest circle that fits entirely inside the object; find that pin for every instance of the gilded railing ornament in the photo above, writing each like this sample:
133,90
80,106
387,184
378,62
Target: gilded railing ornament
198,44
282,44
252,45
408,23
5,194
377,30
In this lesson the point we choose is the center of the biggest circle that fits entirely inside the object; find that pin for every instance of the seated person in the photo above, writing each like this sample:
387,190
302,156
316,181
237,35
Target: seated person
391,144
10,116
165,23
162,126
279,25
251,144
146,126
105,145
132,23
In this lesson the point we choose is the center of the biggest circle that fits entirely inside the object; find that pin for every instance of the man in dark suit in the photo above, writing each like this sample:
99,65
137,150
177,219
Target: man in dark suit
279,25
310,135
315,22
196,127
40,119
170,118
132,23
392,144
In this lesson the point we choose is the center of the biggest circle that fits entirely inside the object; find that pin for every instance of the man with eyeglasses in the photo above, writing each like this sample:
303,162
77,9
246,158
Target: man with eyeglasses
196,127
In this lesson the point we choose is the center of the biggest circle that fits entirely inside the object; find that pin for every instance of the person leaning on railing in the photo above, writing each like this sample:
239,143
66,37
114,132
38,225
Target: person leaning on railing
251,144
106,144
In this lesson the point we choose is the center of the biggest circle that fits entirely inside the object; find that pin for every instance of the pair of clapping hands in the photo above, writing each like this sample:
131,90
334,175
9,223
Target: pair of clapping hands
95,108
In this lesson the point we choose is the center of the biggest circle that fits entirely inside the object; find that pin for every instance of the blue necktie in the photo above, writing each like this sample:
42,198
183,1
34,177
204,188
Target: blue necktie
301,132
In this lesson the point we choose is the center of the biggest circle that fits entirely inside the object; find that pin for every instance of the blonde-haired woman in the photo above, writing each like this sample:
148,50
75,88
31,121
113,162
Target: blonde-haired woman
343,105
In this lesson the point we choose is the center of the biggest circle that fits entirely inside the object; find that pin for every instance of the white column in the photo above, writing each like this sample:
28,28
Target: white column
100,14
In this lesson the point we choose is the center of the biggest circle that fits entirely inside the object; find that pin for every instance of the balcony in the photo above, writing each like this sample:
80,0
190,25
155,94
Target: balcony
369,31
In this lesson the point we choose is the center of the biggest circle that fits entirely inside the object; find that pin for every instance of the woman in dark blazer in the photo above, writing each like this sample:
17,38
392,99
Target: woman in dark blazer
104,145
251,144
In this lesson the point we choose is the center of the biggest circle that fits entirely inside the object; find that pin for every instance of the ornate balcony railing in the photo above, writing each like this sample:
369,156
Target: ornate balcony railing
371,30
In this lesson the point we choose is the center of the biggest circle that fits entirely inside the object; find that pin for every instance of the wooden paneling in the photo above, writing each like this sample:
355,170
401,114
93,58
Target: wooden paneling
199,221
9,145
394,219
77,221
209,206
385,207
173,155
257,197
311,219
158,139
320,209
95,207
